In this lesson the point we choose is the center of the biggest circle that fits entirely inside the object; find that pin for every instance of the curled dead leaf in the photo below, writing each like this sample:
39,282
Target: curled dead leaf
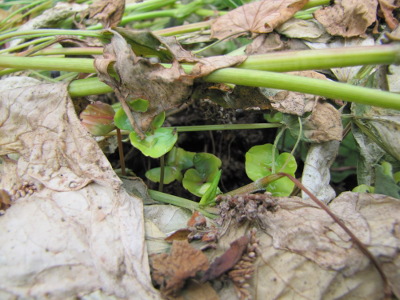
387,7
256,17
138,77
348,18
226,261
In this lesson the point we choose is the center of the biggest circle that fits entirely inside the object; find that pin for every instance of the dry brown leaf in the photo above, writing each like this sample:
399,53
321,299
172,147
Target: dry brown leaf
108,13
348,18
170,271
164,88
387,7
324,124
257,17
5,199
227,260
306,255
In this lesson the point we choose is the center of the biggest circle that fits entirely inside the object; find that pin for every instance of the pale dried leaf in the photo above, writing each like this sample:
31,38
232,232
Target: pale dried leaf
316,173
53,147
72,229
348,18
257,17
309,30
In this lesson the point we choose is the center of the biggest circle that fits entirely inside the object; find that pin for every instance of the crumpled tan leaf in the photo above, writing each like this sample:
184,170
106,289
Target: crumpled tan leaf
72,229
108,13
324,124
164,88
256,17
306,255
348,18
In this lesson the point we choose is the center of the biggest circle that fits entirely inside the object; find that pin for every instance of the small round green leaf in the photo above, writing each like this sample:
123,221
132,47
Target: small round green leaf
259,164
156,144
259,161
180,158
206,164
170,174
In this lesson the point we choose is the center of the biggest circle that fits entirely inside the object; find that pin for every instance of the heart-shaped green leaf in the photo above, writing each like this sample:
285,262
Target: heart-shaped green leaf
180,158
198,180
260,161
156,144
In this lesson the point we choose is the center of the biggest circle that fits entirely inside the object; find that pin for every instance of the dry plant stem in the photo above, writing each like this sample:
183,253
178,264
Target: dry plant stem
121,152
355,240
128,113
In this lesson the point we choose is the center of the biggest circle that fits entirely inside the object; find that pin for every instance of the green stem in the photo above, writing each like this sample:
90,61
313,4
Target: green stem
71,51
325,88
178,201
148,5
50,32
24,45
323,58
183,29
257,185
227,127
314,3
257,78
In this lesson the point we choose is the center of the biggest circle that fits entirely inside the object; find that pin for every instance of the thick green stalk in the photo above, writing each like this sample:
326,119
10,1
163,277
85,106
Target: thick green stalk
323,59
178,201
148,5
256,78
325,88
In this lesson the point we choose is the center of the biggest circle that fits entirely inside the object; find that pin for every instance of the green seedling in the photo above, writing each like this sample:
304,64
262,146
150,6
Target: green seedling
198,180
264,160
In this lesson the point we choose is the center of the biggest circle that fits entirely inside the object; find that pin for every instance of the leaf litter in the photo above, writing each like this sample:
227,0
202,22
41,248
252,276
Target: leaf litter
295,238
